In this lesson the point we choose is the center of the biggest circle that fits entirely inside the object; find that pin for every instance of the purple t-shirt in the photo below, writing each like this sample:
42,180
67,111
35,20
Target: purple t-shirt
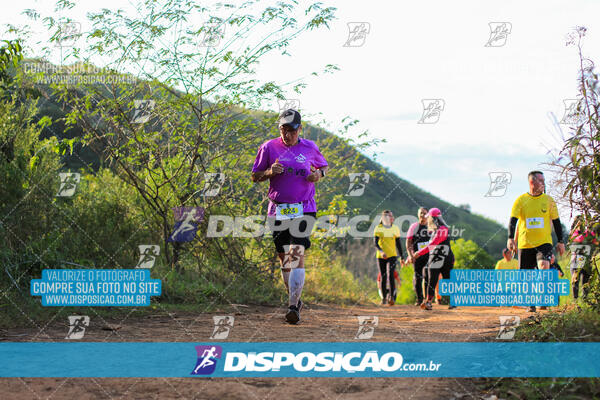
290,186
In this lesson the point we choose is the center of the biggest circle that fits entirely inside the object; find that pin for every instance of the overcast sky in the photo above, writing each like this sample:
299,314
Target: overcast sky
497,99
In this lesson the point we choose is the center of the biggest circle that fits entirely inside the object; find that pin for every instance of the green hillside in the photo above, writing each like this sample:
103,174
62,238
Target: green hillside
385,189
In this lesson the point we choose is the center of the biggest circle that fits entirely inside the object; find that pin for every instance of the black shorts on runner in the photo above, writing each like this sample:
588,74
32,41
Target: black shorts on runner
528,258
284,237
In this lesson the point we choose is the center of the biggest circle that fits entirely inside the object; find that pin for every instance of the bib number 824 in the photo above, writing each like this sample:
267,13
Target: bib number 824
290,210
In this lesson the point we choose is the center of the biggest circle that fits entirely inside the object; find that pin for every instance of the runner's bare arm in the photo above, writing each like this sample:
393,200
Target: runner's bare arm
409,247
316,173
275,169
260,176
410,242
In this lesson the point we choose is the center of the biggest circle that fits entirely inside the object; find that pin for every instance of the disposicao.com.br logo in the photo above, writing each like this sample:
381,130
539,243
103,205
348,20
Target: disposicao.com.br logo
370,361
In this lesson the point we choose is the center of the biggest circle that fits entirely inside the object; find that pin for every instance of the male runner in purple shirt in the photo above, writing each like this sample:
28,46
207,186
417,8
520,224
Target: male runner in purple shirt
292,166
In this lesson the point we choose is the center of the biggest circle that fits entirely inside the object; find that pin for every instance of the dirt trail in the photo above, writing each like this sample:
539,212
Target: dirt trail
262,324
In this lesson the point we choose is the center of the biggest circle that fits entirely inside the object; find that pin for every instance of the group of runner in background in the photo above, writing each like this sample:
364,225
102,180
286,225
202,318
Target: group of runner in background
293,165
428,248
529,235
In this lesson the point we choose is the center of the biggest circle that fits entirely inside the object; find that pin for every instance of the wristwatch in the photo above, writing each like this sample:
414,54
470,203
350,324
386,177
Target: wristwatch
322,173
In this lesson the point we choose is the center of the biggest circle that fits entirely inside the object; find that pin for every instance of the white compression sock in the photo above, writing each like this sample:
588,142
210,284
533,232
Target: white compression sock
296,285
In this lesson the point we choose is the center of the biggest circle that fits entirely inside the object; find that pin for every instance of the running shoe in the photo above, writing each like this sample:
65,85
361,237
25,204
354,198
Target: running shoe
383,302
300,305
451,307
532,309
426,305
543,308
391,302
292,316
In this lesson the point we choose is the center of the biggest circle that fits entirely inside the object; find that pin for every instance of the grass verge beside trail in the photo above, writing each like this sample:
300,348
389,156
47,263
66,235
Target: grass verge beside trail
199,292
540,388
562,324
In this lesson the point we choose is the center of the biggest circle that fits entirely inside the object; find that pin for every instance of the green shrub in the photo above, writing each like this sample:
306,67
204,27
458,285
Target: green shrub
406,295
103,224
468,255
329,281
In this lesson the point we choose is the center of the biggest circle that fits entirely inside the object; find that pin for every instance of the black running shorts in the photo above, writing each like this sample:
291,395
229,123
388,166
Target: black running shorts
302,225
528,258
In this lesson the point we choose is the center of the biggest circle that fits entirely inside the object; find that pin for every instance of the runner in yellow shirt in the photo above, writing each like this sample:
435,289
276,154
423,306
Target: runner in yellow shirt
387,242
507,261
535,211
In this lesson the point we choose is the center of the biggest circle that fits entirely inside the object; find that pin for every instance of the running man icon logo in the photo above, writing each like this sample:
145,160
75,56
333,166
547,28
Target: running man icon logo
223,325
571,115
148,254
212,184
438,256
357,33
366,327
499,32
212,35
77,325
142,111
508,326
291,259
286,104
358,184
207,359
186,223
432,109
580,252
68,33
68,183
499,182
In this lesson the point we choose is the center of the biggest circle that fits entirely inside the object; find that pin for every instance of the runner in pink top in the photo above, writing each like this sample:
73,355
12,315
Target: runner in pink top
292,165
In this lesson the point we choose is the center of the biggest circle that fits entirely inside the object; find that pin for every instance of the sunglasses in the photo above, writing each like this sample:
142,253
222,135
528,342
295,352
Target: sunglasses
287,129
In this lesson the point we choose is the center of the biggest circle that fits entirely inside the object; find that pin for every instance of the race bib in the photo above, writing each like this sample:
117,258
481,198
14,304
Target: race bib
535,223
421,245
288,211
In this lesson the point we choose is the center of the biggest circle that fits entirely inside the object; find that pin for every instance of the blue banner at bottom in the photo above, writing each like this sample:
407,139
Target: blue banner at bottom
297,359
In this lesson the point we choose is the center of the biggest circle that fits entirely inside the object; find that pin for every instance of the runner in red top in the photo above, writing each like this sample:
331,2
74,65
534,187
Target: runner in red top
418,237
441,258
